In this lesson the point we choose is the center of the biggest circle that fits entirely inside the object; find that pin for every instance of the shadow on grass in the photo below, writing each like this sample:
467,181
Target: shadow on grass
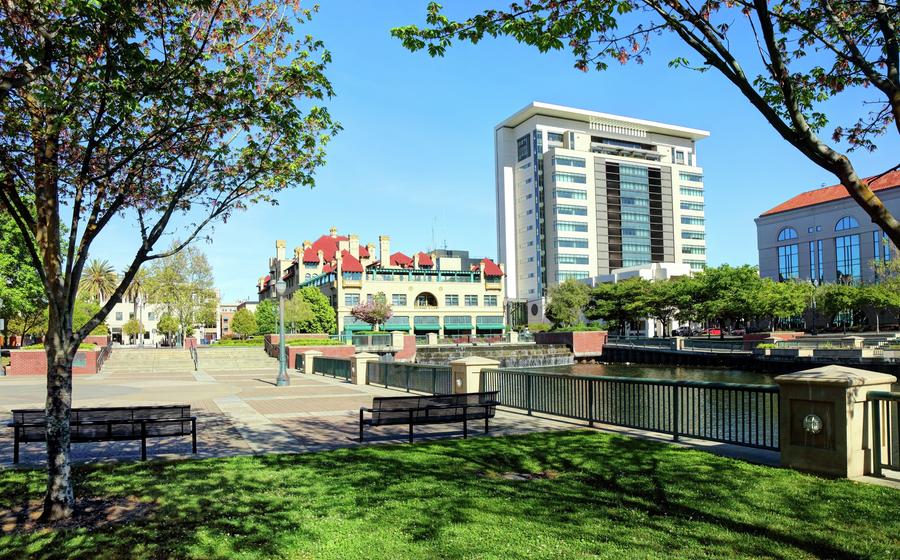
432,499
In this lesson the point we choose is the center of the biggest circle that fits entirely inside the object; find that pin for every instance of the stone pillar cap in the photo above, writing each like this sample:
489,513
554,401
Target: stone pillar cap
475,361
853,337
836,375
366,355
311,353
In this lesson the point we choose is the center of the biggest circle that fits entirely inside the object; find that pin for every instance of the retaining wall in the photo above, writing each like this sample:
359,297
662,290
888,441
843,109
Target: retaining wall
34,362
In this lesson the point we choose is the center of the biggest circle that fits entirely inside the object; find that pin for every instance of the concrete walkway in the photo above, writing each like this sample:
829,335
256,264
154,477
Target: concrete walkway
243,413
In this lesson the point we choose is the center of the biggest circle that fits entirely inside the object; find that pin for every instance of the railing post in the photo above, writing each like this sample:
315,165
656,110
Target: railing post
467,373
407,378
528,389
876,436
359,366
590,402
676,411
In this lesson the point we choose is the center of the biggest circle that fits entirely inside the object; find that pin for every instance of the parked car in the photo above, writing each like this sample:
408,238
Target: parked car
738,332
711,332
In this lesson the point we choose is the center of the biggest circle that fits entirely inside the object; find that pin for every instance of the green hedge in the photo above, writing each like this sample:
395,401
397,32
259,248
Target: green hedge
40,346
254,342
314,342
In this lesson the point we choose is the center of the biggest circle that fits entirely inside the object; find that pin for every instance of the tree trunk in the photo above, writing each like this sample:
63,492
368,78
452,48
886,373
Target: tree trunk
60,498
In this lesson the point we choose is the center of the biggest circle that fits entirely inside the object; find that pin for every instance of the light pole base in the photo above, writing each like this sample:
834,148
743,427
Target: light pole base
283,380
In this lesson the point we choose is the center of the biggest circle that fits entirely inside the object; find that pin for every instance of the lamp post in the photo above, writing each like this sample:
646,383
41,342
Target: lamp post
283,379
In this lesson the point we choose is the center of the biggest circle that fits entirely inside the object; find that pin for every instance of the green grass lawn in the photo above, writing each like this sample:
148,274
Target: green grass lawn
599,496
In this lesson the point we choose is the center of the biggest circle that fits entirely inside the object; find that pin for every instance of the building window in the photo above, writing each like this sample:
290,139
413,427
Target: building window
529,228
398,299
696,265
530,259
688,234
568,210
572,259
351,299
569,161
529,212
629,201
693,177
787,234
695,206
470,301
490,301
555,138
572,226
679,157
846,249
572,243
561,177
691,191
847,222
788,263
523,146
634,217
118,315
635,248
693,250
564,275
692,221
451,301
151,316
570,193
635,232
812,261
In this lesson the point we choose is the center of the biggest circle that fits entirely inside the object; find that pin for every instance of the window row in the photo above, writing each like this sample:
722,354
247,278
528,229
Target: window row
569,161
567,210
561,177
572,259
695,206
845,223
571,243
400,300
692,221
688,234
695,177
691,191
570,193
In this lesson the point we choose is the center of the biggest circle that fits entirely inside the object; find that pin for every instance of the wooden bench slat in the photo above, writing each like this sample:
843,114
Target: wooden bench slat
430,409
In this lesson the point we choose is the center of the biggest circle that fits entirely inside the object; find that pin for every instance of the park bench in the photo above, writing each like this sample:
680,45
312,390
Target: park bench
109,424
430,409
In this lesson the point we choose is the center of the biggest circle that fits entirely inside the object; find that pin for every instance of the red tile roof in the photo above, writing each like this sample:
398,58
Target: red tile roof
363,252
310,255
399,259
835,192
349,263
425,260
491,268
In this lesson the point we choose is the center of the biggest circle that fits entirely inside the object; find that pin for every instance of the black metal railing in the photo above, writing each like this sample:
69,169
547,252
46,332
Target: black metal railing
194,356
103,355
332,367
299,361
885,431
436,380
744,415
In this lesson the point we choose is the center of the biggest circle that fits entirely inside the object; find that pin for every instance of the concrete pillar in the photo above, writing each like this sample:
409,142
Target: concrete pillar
825,424
358,367
467,373
308,361
432,338
513,337
396,340
679,343
854,341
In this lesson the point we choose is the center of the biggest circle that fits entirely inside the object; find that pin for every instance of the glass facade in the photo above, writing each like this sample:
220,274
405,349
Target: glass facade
570,193
693,250
635,204
571,243
846,249
788,262
688,234
696,206
691,191
567,210
572,259
569,161
692,221
572,226
561,177
564,275
695,177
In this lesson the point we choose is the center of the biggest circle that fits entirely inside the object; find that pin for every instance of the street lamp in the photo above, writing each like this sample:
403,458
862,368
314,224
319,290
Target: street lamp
283,379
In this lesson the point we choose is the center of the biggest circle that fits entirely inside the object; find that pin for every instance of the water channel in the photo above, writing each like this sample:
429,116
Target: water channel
682,373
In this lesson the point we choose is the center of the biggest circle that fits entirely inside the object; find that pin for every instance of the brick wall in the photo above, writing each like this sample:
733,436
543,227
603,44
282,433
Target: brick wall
582,343
408,353
34,362
327,351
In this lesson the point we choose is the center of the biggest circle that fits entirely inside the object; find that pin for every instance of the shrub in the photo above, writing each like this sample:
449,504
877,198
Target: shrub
314,342
538,327
40,346
766,345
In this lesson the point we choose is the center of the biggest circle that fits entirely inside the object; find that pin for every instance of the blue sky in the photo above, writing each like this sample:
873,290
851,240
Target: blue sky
416,153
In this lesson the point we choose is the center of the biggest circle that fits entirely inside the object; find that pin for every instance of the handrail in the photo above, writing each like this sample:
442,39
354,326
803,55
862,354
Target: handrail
652,380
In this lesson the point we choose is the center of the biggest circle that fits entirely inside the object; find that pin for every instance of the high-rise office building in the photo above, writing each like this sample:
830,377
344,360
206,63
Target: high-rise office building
582,193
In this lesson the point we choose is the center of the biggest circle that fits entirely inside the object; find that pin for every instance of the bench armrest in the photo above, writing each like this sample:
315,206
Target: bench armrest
366,409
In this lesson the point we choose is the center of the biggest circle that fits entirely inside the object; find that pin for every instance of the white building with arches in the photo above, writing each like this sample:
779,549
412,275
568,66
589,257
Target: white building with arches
824,236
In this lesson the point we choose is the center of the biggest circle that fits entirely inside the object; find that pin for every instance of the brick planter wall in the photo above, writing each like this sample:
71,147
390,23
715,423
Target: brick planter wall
408,353
582,343
272,341
98,339
752,339
34,362
344,351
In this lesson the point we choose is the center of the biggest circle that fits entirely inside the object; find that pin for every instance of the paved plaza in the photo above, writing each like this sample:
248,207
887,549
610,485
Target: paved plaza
238,413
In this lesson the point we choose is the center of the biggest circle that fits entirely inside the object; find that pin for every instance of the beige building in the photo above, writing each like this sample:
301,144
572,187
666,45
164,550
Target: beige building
427,292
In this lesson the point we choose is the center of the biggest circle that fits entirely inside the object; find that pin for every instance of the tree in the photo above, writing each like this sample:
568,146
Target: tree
663,300
21,291
618,303
243,323
566,303
297,314
267,317
835,299
804,55
726,294
778,300
168,325
374,312
99,281
325,318
182,283
170,115
133,328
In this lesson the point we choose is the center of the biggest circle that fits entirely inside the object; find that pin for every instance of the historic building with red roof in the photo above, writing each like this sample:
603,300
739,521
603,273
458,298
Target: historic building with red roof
823,235
429,292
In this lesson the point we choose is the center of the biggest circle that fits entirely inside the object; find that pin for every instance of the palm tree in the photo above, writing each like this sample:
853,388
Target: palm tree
99,281
137,293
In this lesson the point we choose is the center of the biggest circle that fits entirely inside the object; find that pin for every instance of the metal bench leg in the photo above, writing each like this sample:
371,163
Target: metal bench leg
193,435
16,445
410,426
486,418
465,426
360,425
143,441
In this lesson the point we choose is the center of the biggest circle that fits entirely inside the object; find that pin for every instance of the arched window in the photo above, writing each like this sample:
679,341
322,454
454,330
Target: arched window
787,233
426,299
308,276
847,222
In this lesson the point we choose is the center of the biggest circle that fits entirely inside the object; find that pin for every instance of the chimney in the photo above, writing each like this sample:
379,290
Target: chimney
307,244
298,254
354,245
321,258
416,260
333,231
279,249
384,250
